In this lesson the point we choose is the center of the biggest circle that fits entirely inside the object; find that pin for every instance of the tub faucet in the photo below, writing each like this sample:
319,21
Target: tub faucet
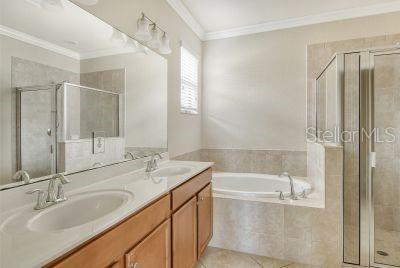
293,195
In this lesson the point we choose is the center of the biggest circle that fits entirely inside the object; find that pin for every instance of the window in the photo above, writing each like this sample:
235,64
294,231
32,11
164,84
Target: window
189,82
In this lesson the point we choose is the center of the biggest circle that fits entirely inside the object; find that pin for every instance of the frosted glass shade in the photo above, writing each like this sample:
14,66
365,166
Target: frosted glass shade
164,46
142,32
155,38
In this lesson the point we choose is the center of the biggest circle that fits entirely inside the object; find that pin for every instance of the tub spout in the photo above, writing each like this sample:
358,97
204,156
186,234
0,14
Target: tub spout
293,195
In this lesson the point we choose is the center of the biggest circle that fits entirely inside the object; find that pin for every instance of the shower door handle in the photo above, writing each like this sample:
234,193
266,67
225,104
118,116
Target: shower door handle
372,157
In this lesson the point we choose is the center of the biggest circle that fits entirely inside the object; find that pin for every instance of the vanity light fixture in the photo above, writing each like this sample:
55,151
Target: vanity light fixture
155,38
142,32
52,5
164,47
151,37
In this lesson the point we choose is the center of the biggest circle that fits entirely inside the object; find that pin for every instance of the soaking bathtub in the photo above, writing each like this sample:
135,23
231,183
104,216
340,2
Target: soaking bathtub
255,185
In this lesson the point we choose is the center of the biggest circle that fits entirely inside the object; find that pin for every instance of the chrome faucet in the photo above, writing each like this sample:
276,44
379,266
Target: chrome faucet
53,196
152,163
22,175
293,195
129,154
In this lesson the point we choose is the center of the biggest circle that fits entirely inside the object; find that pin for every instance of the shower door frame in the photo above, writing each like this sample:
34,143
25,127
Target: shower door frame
367,254
53,128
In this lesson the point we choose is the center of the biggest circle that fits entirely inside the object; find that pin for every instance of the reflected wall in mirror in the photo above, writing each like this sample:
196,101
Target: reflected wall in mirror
76,93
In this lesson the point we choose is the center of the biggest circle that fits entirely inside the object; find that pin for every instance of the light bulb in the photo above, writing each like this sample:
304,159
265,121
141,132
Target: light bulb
155,38
142,32
164,47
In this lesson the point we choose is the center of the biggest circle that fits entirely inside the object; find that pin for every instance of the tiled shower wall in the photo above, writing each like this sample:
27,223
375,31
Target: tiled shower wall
29,73
318,56
302,234
252,161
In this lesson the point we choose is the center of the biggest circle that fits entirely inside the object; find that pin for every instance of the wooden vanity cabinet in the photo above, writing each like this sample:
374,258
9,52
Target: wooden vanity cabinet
184,240
204,218
153,251
173,231
191,220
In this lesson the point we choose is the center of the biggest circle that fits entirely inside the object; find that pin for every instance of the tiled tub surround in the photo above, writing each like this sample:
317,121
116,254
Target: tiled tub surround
252,161
39,248
297,233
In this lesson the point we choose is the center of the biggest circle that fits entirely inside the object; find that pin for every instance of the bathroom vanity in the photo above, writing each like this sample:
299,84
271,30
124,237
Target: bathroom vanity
177,227
164,219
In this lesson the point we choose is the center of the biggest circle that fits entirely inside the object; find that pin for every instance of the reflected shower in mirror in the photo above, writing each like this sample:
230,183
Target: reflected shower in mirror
76,93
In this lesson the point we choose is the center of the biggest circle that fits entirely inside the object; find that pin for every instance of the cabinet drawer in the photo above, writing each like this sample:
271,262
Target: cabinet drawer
108,247
190,188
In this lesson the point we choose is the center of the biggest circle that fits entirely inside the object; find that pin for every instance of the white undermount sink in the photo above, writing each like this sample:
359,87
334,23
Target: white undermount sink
171,171
78,210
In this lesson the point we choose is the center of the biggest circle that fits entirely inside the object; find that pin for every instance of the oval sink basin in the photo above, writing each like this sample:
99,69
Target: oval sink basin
78,210
171,171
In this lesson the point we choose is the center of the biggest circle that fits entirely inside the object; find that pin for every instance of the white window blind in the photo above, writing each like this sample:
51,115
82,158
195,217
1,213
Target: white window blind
189,82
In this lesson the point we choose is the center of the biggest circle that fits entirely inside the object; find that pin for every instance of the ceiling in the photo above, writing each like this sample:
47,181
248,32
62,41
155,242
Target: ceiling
70,31
224,18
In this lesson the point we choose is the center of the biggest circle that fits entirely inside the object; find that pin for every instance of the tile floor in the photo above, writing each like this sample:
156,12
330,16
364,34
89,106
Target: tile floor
222,258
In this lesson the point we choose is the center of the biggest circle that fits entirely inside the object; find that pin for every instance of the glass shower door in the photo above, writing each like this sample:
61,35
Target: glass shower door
36,132
385,231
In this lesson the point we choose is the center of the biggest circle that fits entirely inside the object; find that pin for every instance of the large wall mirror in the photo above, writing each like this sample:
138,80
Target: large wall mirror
76,93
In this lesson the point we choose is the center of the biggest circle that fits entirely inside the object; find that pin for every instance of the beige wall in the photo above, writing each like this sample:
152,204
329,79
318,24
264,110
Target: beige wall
254,86
184,131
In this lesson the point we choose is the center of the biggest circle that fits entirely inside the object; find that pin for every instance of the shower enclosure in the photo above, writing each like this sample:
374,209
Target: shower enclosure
49,117
36,130
359,94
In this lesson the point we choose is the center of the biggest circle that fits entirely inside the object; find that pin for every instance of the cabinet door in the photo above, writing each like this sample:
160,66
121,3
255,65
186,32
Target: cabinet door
205,218
153,251
184,235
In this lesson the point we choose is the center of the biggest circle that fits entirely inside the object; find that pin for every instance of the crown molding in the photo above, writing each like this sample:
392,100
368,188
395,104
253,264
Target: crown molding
4,30
307,20
187,17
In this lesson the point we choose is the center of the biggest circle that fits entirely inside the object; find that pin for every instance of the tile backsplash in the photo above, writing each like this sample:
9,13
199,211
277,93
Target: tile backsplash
252,161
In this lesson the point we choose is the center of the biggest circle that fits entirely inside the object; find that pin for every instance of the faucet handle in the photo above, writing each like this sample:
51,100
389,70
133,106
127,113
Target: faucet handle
60,193
281,195
41,199
303,194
